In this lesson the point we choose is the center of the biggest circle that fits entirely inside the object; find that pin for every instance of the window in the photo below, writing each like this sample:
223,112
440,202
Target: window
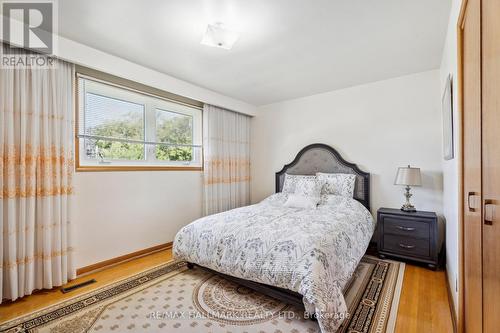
119,128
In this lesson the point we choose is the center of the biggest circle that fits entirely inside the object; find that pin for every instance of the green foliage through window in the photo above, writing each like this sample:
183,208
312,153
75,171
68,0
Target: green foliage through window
174,128
130,128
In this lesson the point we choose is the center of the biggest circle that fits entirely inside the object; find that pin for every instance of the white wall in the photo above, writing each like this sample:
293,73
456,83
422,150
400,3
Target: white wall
380,126
116,213
450,168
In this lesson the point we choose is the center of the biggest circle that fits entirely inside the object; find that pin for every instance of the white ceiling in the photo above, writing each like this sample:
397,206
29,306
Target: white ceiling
287,48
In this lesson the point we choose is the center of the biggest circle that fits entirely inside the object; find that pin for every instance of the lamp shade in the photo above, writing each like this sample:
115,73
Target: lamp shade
408,176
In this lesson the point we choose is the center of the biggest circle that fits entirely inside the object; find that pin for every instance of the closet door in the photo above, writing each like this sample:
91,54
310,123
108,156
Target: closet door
472,251
491,164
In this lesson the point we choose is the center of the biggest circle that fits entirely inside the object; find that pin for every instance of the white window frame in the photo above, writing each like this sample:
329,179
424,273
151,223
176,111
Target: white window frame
151,103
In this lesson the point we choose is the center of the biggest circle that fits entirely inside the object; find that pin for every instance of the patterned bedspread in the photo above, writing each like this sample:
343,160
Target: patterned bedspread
311,251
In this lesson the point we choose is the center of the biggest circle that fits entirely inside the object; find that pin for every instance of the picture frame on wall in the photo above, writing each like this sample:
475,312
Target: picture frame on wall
447,109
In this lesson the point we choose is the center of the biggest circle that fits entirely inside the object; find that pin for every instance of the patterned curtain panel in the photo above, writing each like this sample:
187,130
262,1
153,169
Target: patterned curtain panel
226,160
36,169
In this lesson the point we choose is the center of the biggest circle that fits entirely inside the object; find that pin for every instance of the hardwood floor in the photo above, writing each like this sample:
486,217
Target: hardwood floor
423,305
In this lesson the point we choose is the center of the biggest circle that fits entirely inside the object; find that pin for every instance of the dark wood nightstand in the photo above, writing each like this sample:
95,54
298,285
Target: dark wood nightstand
417,236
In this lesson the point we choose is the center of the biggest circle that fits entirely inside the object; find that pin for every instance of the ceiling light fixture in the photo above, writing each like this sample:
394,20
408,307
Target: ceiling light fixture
219,36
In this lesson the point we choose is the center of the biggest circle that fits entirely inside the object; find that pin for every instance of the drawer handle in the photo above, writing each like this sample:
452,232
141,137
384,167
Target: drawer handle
405,228
404,246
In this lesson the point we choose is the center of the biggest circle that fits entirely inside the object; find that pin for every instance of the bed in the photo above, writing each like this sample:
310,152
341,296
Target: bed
301,256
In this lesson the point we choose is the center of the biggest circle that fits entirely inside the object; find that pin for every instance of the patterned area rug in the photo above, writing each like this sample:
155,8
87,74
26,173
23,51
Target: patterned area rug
172,298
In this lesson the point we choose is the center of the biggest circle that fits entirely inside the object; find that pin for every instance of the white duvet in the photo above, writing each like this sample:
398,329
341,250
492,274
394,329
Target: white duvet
311,251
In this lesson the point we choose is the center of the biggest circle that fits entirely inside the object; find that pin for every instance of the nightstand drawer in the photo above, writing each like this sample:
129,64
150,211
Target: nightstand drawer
407,245
403,227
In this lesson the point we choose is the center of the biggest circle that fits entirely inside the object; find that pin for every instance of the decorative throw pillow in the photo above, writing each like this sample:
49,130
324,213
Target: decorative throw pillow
309,187
337,183
301,201
290,183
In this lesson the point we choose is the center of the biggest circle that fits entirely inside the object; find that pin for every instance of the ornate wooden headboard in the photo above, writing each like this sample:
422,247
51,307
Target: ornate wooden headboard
319,157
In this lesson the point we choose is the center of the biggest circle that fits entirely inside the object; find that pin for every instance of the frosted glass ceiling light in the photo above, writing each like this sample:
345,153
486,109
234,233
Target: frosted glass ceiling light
218,36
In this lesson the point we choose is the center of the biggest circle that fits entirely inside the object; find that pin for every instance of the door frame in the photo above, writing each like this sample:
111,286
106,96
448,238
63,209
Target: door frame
461,281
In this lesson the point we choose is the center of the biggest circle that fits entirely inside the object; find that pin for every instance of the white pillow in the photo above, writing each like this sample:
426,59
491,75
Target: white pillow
301,201
291,181
337,183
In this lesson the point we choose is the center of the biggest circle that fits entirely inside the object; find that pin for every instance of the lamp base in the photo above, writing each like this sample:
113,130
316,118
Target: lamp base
408,208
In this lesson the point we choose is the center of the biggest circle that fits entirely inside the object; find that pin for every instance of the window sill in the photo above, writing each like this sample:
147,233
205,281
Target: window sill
136,168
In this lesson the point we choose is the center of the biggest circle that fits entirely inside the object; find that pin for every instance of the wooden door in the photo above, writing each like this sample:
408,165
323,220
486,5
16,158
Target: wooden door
491,163
472,222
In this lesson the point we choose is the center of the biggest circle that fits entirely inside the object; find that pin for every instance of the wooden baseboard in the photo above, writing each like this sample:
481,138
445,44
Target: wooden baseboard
123,258
450,302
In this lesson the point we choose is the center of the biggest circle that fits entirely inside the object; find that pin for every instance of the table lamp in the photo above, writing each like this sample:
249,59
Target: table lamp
408,176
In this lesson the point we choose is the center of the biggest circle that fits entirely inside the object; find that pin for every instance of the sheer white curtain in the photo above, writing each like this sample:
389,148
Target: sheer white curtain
36,169
226,159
